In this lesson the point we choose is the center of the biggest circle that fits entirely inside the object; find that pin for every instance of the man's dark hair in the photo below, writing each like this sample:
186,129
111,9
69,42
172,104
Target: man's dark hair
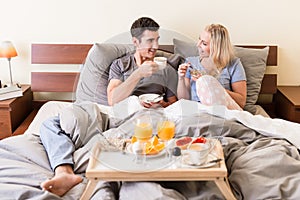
142,24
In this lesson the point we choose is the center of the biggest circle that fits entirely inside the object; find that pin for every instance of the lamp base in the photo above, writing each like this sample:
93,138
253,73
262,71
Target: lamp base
11,84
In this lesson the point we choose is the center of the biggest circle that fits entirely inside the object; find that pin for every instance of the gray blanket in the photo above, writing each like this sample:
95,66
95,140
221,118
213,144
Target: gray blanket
259,167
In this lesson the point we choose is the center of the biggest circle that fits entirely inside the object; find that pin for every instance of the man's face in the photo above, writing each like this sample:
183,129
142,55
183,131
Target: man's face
148,45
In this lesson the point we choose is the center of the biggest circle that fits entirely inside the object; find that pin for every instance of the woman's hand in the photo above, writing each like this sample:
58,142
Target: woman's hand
182,69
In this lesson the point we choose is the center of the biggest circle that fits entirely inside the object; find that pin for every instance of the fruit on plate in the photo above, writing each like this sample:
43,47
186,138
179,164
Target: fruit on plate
176,151
154,140
199,140
133,139
183,142
152,147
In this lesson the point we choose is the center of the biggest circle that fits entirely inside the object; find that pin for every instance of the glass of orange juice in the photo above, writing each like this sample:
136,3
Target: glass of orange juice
165,132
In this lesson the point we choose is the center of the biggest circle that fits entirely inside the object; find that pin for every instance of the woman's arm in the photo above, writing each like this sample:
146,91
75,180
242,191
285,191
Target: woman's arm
183,87
239,93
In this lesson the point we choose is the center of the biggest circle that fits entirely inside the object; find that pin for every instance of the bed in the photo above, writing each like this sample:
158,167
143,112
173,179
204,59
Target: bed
262,154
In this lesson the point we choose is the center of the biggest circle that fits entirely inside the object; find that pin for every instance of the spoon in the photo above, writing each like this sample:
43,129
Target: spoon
212,161
216,160
191,66
124,147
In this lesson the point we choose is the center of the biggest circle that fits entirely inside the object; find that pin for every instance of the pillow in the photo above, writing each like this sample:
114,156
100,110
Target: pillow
253,60
185,49
93,79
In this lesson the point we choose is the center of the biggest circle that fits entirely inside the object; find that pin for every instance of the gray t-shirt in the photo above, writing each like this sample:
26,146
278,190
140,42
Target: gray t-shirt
233,72
163,81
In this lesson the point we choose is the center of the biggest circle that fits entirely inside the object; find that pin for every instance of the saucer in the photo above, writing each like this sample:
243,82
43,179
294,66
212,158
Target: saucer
186,162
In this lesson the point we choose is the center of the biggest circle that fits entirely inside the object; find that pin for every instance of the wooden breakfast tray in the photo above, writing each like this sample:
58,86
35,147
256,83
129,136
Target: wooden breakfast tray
99,169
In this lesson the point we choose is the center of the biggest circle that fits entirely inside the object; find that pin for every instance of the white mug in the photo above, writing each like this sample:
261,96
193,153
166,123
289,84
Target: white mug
161,62
198,153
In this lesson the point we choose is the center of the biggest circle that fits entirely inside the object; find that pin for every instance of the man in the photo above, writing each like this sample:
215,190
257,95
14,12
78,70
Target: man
137,73
134,74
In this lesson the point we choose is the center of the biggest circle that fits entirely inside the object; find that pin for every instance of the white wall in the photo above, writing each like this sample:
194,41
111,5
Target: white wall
77,21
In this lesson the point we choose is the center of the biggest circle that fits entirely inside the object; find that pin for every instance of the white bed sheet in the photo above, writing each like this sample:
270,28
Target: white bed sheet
267,126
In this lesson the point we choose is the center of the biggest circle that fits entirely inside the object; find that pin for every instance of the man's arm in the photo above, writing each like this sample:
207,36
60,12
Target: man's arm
118,90
171,100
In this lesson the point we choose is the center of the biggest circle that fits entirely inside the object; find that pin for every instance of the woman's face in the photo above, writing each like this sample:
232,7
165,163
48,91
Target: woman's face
204,44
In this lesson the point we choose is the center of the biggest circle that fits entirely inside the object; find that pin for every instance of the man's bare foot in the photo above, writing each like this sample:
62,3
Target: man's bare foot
61,183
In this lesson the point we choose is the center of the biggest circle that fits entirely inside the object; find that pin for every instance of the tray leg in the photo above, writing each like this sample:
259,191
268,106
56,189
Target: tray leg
86,195
224,187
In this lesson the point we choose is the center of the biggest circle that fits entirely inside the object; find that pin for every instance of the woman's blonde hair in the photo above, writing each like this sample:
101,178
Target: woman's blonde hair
221,49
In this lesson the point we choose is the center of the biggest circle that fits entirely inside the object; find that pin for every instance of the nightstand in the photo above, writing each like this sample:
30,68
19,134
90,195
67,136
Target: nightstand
287,100
14,111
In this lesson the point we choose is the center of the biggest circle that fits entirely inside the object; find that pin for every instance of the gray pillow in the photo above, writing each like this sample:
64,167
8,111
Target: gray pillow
185,49
93,78
253,60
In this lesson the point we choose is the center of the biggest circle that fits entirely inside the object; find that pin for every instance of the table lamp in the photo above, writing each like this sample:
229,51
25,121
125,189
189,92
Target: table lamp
7,50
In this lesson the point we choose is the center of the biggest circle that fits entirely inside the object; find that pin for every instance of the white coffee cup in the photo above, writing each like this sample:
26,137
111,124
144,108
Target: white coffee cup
161,62
198,153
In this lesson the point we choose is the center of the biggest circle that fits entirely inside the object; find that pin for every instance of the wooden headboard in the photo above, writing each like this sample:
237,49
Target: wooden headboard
76,54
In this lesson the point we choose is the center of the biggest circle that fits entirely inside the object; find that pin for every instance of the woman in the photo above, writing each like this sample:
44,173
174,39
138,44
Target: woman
216,76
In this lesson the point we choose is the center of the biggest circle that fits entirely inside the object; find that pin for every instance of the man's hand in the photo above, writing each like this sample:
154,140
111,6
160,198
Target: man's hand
159,104
147,69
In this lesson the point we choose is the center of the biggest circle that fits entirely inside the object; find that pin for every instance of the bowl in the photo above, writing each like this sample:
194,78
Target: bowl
150,98
197,72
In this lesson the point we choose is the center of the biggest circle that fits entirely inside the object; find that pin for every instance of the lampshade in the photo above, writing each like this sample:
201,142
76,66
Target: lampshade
7,50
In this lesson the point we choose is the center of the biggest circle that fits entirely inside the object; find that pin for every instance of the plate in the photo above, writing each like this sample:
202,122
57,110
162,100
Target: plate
147,98
186,163
129,150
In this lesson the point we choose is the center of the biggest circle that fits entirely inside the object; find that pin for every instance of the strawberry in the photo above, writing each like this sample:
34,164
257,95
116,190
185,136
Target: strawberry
199,140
